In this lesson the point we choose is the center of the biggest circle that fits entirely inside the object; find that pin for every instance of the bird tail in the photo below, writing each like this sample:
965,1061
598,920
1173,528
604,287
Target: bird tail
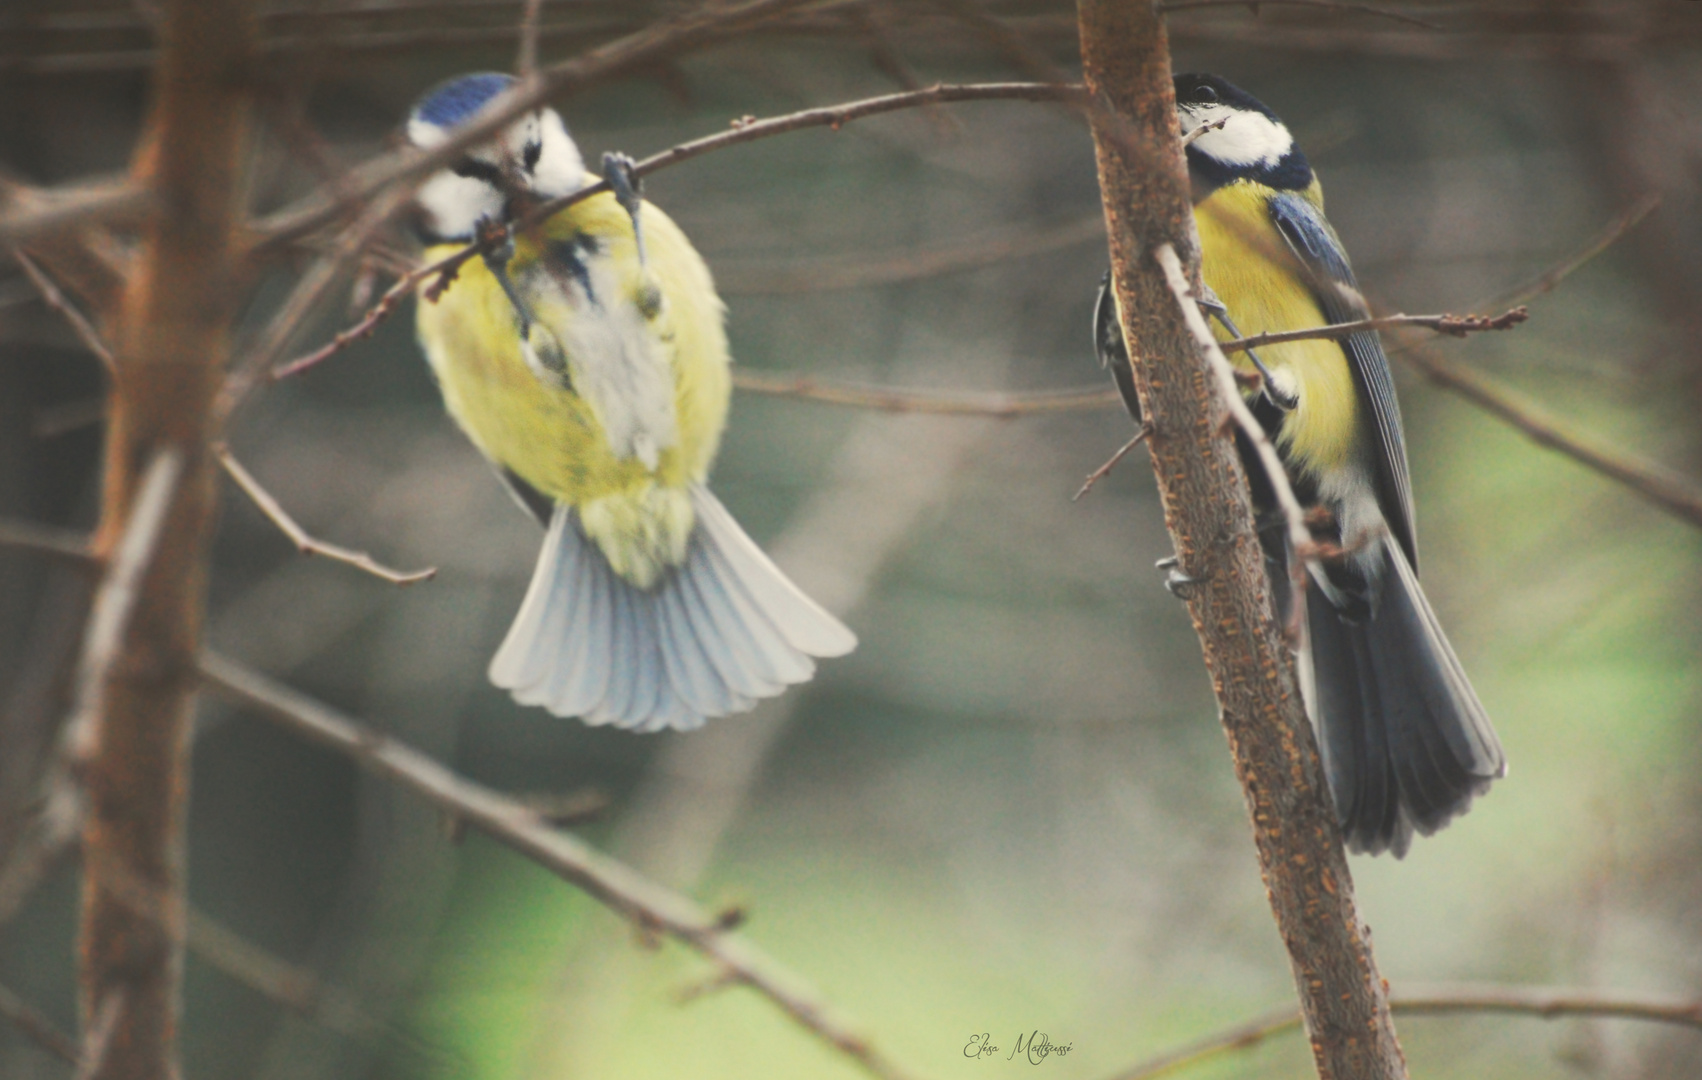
711,637
1406,743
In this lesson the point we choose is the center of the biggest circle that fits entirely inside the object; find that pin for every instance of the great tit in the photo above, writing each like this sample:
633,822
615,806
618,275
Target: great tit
1406,743
587,360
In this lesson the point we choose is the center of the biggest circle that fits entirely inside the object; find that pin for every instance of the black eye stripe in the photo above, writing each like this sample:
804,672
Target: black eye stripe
529,157
474,169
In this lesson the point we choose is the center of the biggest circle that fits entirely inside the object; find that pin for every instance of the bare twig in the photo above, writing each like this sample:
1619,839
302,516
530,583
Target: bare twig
526,63
66,544
1302,551
1104,470
742,131
55,299
1331,5
33,1023
669,37
1215,125
777,278
1676,494
511,823
49,212
1452,325
1547,1004
1610,235
942,403
97,1040
305,543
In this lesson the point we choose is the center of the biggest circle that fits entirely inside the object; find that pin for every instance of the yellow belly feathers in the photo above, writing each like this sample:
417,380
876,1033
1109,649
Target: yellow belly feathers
549,436
1246,262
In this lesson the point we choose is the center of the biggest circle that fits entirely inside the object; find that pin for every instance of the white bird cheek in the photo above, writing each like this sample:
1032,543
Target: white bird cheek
454,204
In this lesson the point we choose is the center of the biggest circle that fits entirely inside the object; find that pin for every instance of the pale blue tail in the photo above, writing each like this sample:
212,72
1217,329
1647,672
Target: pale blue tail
720,632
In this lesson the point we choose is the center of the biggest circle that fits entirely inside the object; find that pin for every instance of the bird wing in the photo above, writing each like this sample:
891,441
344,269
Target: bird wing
1314,243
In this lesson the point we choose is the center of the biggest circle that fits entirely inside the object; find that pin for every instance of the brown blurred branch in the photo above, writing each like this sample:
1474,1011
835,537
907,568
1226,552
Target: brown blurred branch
40,1030
80,325
526,63
509,822
172,342
743,130
67,544
648,46
1545,282
938,402
1145,190
1330,5
305,543
1546,1004
778,278
39,213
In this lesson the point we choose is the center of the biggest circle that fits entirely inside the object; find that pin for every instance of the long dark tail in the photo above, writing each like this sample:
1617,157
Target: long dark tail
1406,743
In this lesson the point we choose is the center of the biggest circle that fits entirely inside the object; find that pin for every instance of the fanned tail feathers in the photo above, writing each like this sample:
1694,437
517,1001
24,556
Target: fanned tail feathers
1406,743
714,636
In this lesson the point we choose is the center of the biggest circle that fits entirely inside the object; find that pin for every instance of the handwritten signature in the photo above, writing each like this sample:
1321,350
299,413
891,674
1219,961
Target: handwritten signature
1035,1046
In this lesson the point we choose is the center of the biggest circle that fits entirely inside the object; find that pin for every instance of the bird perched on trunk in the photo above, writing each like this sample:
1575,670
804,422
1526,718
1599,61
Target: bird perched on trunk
586,358
1406,743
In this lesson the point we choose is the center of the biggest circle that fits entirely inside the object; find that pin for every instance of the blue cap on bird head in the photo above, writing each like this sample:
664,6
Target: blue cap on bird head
534,155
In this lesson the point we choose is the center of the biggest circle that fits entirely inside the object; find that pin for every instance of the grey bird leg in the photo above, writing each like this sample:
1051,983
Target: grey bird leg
1217,310
618,170
496,260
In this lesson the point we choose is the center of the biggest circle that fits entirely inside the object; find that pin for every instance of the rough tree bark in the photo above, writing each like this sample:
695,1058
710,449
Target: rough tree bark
172,340
1144,181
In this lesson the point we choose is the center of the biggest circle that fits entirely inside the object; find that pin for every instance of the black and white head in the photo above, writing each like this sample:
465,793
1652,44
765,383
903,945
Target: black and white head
1252,143
534,156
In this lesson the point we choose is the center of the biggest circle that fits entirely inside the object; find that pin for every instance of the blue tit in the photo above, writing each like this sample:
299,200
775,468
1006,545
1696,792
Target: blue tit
1406,744
587,360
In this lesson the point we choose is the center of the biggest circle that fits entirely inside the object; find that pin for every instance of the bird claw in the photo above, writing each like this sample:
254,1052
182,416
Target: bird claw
1176,583
621,173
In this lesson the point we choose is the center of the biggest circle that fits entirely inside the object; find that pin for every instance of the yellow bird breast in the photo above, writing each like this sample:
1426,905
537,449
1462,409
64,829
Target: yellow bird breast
1247,263
615,403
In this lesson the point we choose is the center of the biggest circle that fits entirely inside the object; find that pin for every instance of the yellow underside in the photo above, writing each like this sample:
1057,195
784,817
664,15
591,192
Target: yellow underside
550,437
1247,263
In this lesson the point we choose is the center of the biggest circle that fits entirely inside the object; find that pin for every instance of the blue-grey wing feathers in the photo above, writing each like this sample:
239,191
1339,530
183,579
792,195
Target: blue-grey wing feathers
1314,243
714,636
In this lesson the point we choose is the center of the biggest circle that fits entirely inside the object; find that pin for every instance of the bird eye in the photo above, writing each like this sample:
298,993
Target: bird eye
529,156
1206,95
474,169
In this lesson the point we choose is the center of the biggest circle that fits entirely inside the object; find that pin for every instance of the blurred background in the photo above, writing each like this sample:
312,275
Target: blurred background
1012,808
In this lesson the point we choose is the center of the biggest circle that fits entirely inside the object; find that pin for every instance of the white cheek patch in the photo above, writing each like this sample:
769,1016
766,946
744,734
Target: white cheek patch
1248,138
560,169
454,204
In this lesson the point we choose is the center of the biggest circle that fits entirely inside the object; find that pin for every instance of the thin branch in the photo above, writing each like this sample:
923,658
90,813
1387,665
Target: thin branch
35,1024
1452,325
1331,5
1617,228
791,276
66,544
1675,494
1543,1003
526,63
55,299
1104,470
109,617
937,402
743,130
305,543
511,823
1215,125
710,23
48,212
98,1039
1302,551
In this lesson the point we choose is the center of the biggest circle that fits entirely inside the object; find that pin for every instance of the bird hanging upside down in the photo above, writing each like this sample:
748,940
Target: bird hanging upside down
587,360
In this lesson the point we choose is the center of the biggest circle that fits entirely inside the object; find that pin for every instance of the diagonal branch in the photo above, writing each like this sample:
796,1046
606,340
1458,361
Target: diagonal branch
650,906
80,324
305,543
1452,325
743,130
40,1030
